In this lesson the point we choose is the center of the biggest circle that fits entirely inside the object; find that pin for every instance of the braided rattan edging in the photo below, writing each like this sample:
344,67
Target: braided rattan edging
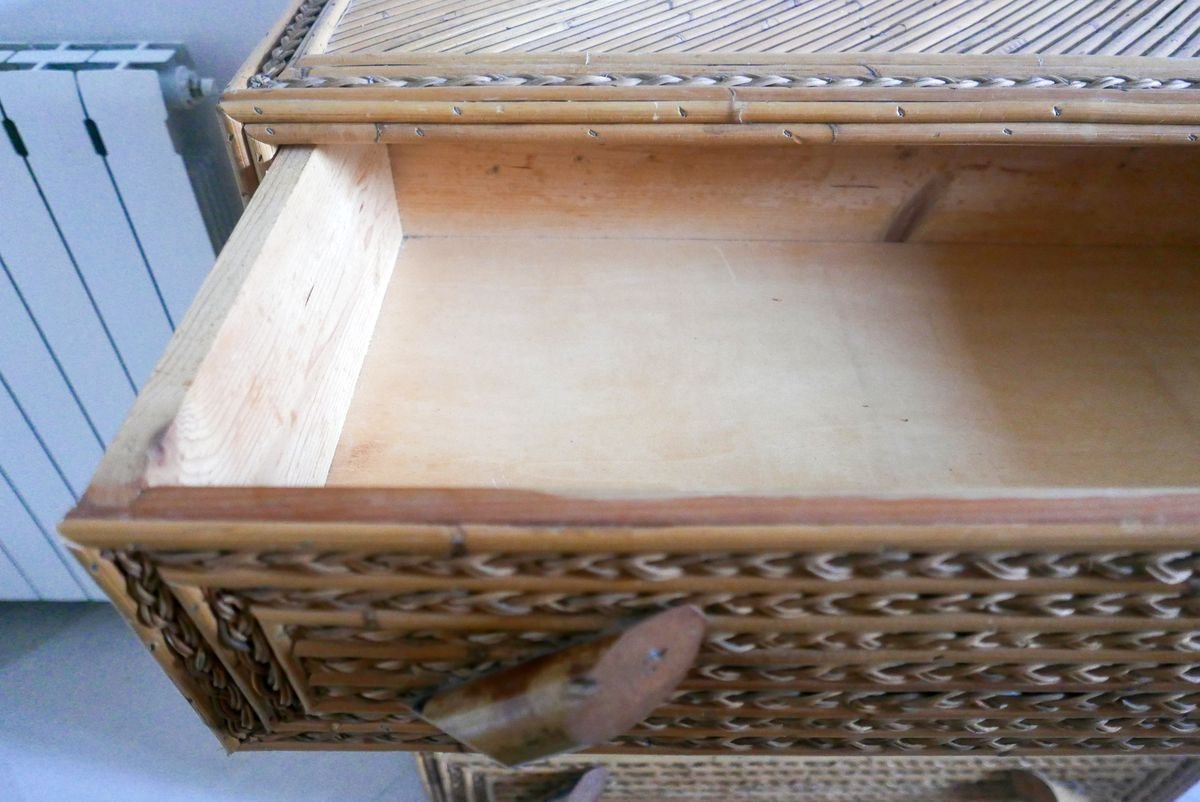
158,609
731,81
289,41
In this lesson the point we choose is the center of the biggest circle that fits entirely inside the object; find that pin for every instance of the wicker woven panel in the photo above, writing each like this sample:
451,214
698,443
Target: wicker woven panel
888,652
451,778
1097,27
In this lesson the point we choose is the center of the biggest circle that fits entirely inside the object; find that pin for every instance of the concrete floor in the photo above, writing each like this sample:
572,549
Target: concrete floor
86,714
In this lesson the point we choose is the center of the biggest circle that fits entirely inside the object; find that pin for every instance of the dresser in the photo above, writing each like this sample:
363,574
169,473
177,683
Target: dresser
870,329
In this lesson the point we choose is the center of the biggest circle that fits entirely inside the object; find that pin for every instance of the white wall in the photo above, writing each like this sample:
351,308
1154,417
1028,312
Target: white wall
218,33
51,438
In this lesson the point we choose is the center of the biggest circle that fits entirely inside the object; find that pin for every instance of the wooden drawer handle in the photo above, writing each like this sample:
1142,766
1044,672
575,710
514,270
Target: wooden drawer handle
578,697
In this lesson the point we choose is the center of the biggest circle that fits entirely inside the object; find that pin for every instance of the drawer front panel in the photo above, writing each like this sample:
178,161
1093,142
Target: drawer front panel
809,652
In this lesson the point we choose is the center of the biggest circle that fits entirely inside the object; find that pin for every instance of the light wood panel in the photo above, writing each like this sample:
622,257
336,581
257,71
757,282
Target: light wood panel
949,194
266,404
251,384
659,367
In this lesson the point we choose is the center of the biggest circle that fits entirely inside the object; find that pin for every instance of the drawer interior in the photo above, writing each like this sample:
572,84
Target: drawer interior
664,321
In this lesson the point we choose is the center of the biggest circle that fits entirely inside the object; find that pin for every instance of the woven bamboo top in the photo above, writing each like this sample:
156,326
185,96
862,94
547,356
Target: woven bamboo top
1083,27
420,43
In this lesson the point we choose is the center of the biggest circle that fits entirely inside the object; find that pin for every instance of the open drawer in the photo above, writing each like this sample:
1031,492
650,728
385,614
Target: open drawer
918,427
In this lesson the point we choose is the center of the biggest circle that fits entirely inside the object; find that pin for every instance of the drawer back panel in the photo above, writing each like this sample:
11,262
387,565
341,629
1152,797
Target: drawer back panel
839,193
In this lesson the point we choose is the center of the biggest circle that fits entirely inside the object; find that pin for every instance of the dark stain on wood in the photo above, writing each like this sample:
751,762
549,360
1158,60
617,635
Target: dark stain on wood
914,210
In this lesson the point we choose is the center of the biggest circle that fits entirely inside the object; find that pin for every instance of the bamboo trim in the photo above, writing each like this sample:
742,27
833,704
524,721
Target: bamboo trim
247,99
357,706
691,584
280,642
846,657
450,541
404,687
446,521
319,649
415,727
301,746
1018,751
237,149
1131,507
945,622
1135,730
193,601
734,134
386,681
899,113
422,728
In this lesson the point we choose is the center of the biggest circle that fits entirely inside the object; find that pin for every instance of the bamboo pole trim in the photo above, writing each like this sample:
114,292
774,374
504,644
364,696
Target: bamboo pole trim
831,746
739,648
503,602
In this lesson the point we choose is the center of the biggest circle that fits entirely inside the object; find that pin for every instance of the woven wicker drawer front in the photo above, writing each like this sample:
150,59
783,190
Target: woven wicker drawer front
813,653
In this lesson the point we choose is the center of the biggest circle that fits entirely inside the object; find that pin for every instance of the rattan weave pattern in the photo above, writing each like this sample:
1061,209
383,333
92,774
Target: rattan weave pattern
896,680
157,608
454,777
1169,568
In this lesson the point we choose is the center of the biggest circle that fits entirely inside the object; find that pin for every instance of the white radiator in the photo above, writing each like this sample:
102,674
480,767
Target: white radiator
102,245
